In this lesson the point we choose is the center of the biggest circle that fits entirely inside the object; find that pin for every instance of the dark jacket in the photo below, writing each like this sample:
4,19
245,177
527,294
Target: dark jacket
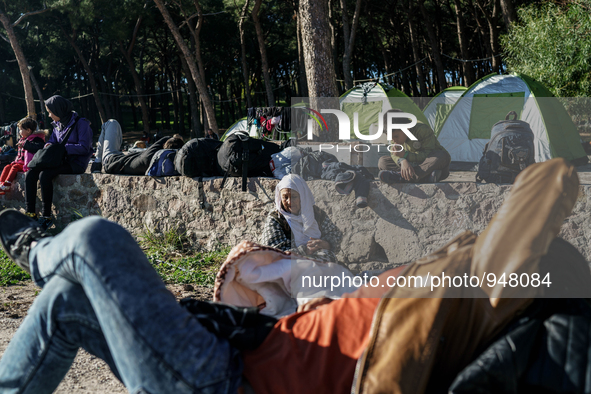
546,350
79,145
136,163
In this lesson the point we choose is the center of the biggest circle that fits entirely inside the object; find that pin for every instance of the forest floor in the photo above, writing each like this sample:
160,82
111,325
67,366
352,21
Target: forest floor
88,374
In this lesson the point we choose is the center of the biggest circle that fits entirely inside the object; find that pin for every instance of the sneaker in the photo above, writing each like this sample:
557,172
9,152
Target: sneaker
18,233
2,192
5,187
45,222
390,177
435,176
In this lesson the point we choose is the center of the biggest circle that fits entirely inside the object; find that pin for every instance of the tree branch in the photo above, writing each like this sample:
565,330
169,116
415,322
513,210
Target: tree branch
4,38
23,16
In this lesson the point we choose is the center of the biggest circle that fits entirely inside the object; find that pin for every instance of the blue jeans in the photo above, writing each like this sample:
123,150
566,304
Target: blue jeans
100,293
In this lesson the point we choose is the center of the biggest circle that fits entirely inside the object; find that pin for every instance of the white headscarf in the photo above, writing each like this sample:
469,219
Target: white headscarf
303,226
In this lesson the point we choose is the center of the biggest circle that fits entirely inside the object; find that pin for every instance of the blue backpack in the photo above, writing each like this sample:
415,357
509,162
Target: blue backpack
162,163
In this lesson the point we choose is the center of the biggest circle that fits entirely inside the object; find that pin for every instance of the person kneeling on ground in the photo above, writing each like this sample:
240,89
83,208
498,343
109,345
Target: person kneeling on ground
297,220
78,153
424,160
110,158
101,293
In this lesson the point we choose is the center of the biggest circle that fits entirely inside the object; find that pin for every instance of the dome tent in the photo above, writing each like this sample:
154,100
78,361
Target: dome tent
467,127
440,106
240,126
370,99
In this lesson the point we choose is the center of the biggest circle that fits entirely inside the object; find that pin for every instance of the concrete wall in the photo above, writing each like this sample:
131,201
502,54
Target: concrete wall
402,223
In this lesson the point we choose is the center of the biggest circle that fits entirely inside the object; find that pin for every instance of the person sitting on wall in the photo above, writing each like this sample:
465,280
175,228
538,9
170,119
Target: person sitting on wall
29,143
101,293
78,153
424,160
296,224
110,158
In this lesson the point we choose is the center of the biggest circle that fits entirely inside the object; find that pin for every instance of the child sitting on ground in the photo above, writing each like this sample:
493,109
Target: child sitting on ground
29,143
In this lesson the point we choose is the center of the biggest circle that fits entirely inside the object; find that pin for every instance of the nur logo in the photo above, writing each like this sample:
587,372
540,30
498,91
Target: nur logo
345,124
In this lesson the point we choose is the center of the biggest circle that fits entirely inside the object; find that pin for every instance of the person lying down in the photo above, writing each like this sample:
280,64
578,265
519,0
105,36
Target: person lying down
101,294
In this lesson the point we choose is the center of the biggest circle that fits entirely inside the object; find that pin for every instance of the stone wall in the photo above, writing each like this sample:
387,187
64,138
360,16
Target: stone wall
402,223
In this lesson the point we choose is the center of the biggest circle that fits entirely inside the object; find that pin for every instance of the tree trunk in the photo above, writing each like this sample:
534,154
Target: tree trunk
349,40
95,92
467,68
22,64
39,94
491,19
318,56
435,51
303,91
193,102
263,49
199,82
127,54
509,14
412,29
243,50
196,32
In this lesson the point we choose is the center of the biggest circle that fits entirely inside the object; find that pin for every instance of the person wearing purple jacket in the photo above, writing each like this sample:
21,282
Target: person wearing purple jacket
78,150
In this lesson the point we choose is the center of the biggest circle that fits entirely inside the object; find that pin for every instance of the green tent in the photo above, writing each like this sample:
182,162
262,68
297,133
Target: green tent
440,106
467,127
371,99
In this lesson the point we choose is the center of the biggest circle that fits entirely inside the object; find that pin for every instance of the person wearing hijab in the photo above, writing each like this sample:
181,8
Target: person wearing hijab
298,225
78,152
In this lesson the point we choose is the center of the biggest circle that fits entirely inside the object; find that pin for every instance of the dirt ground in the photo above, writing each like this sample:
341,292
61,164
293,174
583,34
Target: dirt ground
89,374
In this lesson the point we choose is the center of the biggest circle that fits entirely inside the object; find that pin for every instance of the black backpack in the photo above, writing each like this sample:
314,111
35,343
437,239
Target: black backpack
198,158
243,156
507,153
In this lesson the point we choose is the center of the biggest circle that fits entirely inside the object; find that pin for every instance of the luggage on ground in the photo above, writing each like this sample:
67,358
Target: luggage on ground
509,150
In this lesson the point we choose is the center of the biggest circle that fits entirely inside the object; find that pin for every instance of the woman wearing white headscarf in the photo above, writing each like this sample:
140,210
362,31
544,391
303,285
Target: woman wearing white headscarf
298,225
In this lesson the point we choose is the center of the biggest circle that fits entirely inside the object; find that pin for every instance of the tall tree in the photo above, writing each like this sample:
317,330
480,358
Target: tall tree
89,73
463,39
199,82
243,53
127,54
491,19
509,14
349,36
318,58
20,56
263,50
435,49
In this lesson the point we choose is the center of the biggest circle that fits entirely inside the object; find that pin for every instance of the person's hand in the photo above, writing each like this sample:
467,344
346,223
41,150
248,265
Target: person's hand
314,304
315,244
20,144
407,171
399,154
46,145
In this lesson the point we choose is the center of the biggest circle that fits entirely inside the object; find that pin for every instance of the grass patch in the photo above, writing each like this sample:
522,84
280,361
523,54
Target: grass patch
170,255
10,273
199,269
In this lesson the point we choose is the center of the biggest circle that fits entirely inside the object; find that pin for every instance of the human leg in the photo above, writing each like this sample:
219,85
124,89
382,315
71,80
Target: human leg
5,172
46,181
386,163
110,140
31,178
437,160
60,321
155,343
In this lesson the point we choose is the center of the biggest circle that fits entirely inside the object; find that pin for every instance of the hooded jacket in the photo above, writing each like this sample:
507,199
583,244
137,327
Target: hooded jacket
79,145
